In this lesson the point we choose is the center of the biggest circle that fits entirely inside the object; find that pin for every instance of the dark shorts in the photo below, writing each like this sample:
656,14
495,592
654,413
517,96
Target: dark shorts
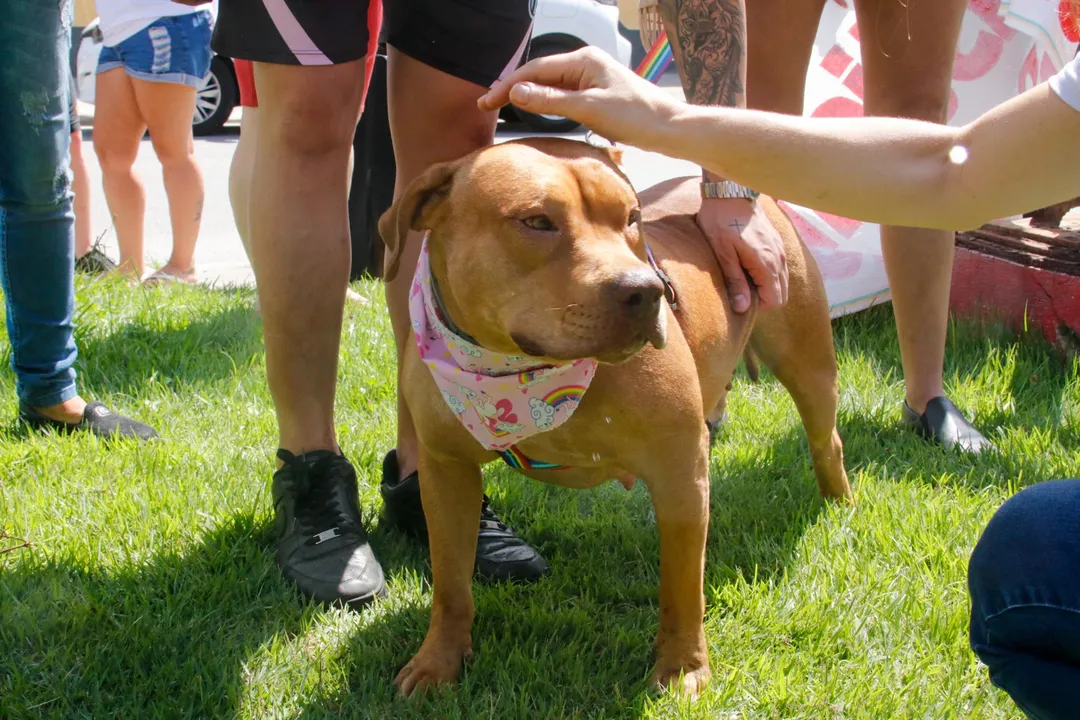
475,40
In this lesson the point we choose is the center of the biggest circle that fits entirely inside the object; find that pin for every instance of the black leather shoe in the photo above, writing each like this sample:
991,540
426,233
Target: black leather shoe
943,423
321,543
97,420
500,554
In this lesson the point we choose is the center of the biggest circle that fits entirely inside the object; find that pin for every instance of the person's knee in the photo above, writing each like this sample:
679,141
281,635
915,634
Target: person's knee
470,131
473,131
174,153
915,101
309,120
1029,536
112,158
35,175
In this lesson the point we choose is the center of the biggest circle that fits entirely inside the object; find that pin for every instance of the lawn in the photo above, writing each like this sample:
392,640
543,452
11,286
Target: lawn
149,588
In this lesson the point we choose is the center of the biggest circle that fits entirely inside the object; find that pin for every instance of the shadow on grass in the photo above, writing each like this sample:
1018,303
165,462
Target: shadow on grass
142,640
179,354
579,642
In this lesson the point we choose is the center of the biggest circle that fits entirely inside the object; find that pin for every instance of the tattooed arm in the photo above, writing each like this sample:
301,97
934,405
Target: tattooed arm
708,40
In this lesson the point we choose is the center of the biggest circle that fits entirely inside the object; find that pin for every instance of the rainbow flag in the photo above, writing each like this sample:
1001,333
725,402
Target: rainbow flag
657,60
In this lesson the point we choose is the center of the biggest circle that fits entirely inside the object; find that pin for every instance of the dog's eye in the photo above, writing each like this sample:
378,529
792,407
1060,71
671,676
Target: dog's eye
539,222
635,217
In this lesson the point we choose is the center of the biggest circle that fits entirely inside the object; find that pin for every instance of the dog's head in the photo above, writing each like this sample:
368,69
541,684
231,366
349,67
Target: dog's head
537,249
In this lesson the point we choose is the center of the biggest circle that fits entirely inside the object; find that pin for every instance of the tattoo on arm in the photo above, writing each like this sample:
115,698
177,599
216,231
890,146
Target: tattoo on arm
708,39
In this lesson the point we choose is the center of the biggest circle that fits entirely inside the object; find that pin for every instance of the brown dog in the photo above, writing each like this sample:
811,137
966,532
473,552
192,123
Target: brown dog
538,248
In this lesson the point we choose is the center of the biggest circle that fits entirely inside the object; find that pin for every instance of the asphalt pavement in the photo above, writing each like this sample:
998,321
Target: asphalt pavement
219,255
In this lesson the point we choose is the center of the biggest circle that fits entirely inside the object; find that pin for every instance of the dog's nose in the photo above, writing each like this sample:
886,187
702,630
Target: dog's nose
638,291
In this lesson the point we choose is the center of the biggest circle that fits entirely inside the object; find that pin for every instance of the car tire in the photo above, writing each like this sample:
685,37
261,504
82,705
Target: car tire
215,98
543,47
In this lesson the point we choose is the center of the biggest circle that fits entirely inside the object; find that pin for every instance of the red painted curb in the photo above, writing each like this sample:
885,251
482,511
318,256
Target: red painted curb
989,288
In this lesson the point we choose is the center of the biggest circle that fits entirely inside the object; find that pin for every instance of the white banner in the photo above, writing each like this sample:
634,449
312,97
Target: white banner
1005,48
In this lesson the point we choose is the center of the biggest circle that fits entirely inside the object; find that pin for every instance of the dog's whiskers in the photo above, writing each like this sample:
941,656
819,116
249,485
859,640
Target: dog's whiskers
564,308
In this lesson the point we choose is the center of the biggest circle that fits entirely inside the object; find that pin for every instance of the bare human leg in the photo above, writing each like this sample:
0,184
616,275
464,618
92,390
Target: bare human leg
118,130
298,225
167,109
907,53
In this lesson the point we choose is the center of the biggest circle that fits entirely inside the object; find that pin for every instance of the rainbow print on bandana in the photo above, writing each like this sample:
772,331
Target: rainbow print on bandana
565,394
517,460
530,377
657,60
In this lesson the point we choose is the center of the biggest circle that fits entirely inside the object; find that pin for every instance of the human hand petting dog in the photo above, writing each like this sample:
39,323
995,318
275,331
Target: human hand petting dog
591,87
746,244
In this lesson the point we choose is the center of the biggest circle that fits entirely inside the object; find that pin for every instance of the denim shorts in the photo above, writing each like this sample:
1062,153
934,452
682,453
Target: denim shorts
173,49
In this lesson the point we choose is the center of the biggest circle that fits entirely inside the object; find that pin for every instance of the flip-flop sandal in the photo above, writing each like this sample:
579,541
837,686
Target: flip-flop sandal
161,277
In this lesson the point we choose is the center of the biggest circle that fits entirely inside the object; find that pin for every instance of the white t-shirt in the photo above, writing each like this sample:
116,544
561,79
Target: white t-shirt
1067,83
120,19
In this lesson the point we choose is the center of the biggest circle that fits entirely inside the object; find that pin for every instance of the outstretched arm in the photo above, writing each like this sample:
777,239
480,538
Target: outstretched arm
1021,155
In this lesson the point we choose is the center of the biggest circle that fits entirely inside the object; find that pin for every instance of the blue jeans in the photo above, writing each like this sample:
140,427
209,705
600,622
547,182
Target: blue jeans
1024,579
37,234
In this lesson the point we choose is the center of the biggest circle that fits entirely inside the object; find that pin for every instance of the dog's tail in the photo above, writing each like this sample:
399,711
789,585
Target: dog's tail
751,363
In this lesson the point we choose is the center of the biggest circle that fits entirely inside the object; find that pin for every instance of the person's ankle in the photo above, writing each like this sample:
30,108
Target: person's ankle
301,446
407,463
917,400
70,411
179,269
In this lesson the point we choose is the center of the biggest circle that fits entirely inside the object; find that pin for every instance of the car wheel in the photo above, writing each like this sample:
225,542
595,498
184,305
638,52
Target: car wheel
215,98
548,123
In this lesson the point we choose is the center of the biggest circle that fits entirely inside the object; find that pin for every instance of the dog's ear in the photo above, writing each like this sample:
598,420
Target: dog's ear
616,154
418,208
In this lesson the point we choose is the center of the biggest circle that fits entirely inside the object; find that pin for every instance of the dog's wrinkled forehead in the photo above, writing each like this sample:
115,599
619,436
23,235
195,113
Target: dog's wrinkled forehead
516,176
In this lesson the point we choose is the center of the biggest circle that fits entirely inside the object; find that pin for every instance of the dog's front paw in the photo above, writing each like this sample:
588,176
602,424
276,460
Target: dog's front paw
689,675
435,664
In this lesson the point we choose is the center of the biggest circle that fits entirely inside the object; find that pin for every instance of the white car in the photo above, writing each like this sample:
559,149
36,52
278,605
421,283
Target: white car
559,26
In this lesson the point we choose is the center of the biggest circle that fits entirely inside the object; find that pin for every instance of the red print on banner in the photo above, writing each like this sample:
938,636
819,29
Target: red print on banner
834,263
1032,72
1069,15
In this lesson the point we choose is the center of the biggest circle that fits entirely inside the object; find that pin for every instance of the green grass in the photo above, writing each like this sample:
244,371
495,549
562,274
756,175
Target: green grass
150,589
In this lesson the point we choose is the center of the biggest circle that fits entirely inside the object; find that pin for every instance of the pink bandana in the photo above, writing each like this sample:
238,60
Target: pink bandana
500,399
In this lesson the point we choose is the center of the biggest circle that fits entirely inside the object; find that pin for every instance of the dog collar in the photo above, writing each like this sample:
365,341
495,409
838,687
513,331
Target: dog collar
500,399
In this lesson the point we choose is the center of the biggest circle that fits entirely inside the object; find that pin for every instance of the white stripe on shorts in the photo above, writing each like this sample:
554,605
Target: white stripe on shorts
512,65
159,38
294,34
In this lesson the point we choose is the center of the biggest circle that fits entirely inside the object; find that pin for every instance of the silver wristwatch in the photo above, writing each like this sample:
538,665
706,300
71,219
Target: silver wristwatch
726,189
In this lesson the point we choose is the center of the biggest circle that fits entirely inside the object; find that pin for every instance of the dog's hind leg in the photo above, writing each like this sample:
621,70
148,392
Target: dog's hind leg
795,342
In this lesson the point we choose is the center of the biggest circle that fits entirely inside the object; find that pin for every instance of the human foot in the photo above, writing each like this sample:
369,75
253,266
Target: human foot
76,415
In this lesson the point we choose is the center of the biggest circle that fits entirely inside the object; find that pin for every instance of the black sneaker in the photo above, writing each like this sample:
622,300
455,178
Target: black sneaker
321,543
97,420
943,423
500,554
95,263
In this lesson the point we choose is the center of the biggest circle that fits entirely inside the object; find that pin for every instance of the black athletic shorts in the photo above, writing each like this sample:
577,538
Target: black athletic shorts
475,40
